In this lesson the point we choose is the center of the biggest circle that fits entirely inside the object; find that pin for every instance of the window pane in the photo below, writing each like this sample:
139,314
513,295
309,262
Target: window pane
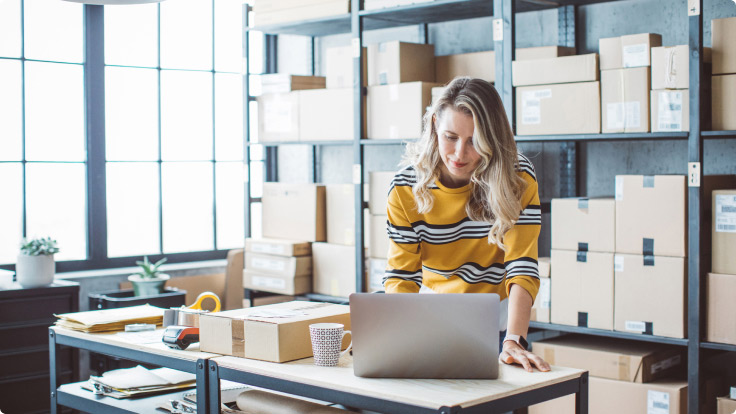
229,117
256,179
10,28
132,209
186,115
11,115
256,226
131,94
187,201
54,112
255,46
56,206
53,30
228,35
230,193
11,211
131,35
186,34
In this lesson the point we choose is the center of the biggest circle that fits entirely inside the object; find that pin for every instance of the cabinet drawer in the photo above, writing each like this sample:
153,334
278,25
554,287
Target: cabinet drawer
34,308
33,362
30,395
20,337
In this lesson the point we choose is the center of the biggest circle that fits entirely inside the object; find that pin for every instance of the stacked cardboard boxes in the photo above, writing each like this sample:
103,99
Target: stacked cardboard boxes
721,283
279,103
541,307
724,74
278,266
379,185
266,12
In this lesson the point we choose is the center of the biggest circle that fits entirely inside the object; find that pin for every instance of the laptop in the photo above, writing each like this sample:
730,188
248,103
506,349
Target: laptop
409,335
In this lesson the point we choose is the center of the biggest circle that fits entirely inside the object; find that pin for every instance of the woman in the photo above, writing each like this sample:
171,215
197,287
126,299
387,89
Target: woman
464,215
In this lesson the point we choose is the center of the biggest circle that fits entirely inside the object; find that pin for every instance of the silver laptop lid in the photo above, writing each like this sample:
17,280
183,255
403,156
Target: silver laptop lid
408,335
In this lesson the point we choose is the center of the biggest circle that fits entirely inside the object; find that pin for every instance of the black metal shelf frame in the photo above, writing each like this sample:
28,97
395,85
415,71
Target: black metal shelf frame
606,333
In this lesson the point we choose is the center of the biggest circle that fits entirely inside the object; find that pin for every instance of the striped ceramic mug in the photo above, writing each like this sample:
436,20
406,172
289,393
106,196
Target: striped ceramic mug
326,343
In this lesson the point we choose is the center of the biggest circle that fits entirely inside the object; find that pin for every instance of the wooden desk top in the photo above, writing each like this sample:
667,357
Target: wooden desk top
419,392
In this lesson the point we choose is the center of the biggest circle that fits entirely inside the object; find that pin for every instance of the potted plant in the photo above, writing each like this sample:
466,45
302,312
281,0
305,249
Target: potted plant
149,280
35,266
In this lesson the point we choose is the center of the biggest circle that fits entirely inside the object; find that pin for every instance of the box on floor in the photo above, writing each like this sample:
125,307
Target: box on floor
571,108
399,62
294,211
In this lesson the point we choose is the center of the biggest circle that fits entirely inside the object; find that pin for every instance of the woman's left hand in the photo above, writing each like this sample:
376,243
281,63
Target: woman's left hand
513,353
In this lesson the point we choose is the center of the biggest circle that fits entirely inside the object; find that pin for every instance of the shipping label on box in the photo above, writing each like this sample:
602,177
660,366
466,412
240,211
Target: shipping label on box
670,111
584,224
571,108
724,232
278,117
294,211
281,284
279,265
278,247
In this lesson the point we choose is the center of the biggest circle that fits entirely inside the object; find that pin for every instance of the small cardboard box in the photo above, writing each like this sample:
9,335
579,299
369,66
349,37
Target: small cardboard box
612,358
720,306
543,52
726,405
294,211
398,62
724,232
671,66
651,212
571,108
341,214
379,237
724,102
379,183
276,333
636,279
278,247
541,307
284,82
670,110
396,111
625,100
281,284
566,69
278,117
326,115
582,294
309,12
723,32
629,51
585,224
339,67
376,272
480,65
279,265
333,269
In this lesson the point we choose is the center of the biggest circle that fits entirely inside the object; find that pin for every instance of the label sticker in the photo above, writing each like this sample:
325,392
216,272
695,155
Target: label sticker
544,293
632,114
669,113
268,264
267,248
733,393
615,114
658,402
636,326
618,263
268,282
635,55
665,364
619,188
531,106
277,117
726,213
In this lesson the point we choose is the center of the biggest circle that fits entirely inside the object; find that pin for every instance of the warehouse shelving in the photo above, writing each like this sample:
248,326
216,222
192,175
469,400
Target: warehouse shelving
607,333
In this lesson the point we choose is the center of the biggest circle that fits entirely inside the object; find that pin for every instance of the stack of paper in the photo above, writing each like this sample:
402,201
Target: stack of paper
139,381
108,320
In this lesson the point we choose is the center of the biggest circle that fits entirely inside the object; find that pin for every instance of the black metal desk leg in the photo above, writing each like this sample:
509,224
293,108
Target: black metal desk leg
53,370
581,397
214,388
202,391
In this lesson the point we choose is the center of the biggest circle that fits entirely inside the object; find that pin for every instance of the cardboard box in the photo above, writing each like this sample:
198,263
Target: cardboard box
572,108
396,111
376,272
399,62
278,247
305,12
281,284
724,102
541,306
341,214
566,69
671,66
720,307
583,290
284,82
723,32
379,183
278,265
650,295
543,52
267,300
326,115
625,100
613,358
379,243
254,333
726,405
294,211
278,117
724,232
480,65
333,269
437,93
629,51
339,67
585,224
670,110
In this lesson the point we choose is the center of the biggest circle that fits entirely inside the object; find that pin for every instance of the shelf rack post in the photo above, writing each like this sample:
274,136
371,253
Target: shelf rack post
246,121
504,44
356,24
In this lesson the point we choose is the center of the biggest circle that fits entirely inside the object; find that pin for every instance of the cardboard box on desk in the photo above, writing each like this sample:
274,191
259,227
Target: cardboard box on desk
279,247
399,62
279,265
628,51
277,283
303,12
724,102
326,115
396,111
670,110
720,308
276,333
341,214
339,67
566,69
724,232
294,211
671,66
625,100
570,108
585,224
541,306
723,32
480,65
278,117
379,183
582,294
543,52
650,295
333,269
726,405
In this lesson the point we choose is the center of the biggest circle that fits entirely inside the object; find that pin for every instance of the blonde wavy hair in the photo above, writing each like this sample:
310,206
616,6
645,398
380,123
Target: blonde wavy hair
496,187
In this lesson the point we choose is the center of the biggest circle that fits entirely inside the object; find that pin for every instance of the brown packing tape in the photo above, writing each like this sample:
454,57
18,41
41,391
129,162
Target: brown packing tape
238,335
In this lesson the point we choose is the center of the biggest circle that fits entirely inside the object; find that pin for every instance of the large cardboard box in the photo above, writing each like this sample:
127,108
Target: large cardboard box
279,265
585,224
625,100
543,52
671,66
339,67
480,65
277,283
379,237
670,110
278,247
629,51
278,117
572,108
724,102
303,12
613,358
650,295
651,212
294,211
541,307
726,405
379,183
284,82
566,69
376,272
333,269
582,294
724,232
723,32
720,308
276,333
396,111
341,214
398,62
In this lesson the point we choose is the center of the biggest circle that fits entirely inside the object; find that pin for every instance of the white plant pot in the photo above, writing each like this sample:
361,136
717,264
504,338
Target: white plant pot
35,271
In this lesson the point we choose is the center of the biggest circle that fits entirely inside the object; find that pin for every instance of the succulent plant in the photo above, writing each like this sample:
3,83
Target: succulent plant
149,270
39,246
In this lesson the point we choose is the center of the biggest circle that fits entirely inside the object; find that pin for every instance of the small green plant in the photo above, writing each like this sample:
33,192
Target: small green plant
149,270
39,246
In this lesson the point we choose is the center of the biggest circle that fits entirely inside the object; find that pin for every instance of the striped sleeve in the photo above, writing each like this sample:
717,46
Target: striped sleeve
404,268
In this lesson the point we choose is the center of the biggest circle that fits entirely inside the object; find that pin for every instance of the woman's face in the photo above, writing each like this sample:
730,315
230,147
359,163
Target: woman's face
455,141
